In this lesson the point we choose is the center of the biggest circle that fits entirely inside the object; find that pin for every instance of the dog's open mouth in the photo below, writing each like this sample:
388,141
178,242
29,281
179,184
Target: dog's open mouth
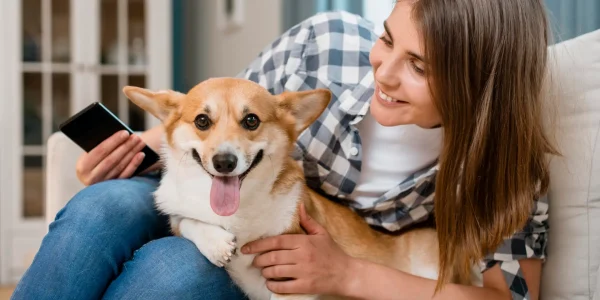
257,159
225,190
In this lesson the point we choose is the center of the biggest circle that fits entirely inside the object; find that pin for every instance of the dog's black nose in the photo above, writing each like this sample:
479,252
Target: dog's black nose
224,162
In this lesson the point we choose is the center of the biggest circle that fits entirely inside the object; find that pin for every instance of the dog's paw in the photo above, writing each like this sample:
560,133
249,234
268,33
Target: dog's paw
214,242
219,247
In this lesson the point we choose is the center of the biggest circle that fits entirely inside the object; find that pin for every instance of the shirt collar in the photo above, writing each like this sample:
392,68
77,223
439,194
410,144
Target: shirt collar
356,102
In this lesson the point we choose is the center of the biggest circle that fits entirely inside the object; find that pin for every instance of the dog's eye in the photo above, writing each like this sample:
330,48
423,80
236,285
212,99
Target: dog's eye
251,122
202,122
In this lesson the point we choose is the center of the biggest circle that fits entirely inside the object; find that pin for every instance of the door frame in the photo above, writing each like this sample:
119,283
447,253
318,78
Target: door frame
10,116
18,233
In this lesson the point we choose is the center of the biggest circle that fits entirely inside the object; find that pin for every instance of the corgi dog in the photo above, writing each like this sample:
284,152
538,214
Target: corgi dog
229,179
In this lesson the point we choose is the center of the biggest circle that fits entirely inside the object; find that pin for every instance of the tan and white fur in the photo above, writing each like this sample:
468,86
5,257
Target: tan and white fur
270,194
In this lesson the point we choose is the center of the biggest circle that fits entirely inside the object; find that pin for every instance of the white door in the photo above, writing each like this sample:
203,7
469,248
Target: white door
125,42
56,57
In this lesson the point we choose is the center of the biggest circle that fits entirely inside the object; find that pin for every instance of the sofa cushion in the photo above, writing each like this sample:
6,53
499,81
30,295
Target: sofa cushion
574,213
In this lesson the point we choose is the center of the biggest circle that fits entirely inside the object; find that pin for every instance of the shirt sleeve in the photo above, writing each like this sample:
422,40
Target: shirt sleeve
530,242
328,50
279,60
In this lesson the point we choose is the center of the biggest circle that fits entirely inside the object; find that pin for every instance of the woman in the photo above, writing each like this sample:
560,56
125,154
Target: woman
447,99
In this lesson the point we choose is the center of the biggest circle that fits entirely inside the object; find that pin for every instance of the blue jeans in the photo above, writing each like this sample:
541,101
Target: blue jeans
109,242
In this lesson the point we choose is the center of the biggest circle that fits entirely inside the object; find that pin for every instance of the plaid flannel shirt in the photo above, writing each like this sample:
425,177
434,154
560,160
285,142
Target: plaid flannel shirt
331,50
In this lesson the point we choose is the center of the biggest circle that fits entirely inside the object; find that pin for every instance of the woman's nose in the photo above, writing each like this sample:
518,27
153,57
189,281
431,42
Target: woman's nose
388,75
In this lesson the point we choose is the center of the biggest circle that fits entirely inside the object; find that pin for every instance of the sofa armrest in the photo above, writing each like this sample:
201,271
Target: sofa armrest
61,179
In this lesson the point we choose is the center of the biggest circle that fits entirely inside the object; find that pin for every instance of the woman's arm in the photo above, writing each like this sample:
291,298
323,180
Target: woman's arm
317,265
152,137
368,280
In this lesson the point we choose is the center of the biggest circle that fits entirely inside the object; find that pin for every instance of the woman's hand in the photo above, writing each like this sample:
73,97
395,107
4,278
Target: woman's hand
313,262
116,157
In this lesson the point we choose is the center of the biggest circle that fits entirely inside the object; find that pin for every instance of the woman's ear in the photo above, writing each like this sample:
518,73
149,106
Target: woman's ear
305,106
159,103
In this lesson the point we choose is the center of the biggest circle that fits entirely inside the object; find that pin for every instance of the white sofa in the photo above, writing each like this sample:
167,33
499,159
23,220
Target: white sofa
572,269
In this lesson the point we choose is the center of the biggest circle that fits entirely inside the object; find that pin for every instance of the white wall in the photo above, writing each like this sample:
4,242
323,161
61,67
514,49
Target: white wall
377,11
215,52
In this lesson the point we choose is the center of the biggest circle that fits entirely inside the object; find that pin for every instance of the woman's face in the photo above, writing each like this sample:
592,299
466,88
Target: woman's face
401,90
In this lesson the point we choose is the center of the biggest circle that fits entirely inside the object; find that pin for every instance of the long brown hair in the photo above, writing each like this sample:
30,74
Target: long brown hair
487,62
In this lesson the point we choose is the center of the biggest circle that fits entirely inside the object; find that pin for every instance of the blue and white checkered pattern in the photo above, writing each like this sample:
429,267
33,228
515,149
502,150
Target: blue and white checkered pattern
331,50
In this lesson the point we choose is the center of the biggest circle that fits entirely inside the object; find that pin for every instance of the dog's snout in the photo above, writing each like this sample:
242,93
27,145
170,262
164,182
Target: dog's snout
224,162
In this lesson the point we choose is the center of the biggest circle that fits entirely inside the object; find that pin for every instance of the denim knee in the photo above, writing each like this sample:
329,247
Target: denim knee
181,263
92,236
172,267
115,205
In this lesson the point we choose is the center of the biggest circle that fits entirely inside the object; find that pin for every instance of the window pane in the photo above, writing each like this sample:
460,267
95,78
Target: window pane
61,41
32,30
110,92
136,32
33,187
32,108
61,94
108,32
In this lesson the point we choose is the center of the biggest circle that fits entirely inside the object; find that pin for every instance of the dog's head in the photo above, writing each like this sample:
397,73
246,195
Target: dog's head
229,125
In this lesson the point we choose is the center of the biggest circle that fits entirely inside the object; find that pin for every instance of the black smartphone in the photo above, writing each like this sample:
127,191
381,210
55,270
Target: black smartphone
94,124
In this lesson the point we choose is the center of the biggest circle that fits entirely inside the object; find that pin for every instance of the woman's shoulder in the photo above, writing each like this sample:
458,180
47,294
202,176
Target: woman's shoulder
342,22
326,48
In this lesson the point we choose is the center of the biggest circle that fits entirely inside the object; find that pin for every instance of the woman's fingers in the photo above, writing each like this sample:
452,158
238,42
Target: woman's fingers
295,286
101,171
281,272
282,257
280,242
104,149
127,160
89,161
133,165
136,160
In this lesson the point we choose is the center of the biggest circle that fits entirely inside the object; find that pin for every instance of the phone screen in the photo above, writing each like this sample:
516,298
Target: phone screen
96,123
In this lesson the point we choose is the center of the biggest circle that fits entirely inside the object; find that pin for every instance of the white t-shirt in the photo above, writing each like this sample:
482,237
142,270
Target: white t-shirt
392,154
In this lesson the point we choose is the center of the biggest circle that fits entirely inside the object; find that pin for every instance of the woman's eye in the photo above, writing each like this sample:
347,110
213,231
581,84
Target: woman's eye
386,41
251,122
419,71
202,122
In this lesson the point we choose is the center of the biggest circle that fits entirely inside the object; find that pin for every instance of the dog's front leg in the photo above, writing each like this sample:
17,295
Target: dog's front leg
214,242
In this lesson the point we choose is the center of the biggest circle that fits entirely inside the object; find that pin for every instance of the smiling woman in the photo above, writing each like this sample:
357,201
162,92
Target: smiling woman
455,65
402,90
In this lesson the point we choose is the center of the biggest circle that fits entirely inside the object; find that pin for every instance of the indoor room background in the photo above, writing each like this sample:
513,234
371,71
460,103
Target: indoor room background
58,56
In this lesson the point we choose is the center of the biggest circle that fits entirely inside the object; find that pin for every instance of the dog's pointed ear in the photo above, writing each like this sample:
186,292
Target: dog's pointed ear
305,106
158,103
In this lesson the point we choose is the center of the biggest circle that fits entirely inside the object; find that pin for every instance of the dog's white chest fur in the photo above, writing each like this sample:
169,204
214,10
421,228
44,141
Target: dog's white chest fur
184,193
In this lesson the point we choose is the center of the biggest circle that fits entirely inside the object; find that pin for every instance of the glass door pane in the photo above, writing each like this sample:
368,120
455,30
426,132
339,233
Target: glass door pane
109,92
33,186
33,54
33,148
109,37
32,109
46,91
61,37
32,30
61,96
136,37
123,56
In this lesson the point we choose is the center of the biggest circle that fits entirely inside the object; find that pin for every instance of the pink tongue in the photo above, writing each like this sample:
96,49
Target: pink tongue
225,195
